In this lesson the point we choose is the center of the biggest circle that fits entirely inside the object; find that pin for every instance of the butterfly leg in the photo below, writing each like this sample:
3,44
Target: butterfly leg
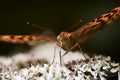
77,44
53,55
70,49
83,52
60,58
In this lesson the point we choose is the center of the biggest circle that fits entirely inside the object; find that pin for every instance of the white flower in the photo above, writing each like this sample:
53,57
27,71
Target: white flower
51,73
81,76
24,72
114,64
98,73
89,67
76,67
106,65
113,70
89,77
102,78
97,64
18,78
108,58
83,67
96,68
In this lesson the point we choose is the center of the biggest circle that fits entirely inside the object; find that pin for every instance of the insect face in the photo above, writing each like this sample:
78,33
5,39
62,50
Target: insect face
64,41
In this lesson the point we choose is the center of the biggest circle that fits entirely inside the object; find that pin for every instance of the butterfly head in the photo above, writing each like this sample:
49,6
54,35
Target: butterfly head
64,41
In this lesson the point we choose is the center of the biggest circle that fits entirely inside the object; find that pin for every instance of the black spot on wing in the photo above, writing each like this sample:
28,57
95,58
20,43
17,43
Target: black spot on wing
30,38
107,15
12,36
93,20
113,11
100,20
21,38
99,17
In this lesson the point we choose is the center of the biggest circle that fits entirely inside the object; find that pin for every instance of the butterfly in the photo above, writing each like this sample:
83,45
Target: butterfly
68,41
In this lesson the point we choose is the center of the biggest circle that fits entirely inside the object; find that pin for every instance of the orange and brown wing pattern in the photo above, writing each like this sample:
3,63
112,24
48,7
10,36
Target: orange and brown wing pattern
22,39
97,24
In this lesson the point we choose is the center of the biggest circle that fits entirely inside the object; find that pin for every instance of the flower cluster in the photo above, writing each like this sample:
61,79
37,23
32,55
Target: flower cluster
19,61
98,67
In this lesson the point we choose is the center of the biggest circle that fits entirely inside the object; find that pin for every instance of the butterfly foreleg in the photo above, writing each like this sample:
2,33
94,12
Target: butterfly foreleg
82,51
70,49
54,55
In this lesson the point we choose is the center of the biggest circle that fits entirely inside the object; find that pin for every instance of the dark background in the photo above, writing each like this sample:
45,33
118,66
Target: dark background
59,16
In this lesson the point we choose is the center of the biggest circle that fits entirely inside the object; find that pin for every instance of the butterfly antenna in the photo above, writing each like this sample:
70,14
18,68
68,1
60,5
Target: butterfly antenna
76,24
37,26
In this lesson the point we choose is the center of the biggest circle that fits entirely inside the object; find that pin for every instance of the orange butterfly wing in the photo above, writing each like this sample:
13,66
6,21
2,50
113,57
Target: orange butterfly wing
22,39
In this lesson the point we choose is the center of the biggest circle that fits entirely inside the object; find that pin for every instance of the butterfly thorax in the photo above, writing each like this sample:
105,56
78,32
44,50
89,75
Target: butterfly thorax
64,41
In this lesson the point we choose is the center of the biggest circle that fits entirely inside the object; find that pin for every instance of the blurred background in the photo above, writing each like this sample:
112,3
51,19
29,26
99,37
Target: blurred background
58,16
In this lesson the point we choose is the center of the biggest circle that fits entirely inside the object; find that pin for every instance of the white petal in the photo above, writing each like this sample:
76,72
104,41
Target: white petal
118,75
113,70
114,64
102,78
